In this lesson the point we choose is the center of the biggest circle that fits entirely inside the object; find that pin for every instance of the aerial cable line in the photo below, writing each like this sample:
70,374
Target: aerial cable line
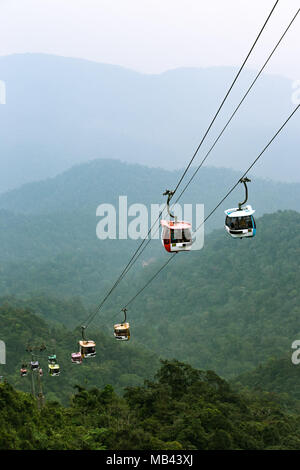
132,259
222,200
225,98
227,124
126,269
137,255
150,280
239,105
250,167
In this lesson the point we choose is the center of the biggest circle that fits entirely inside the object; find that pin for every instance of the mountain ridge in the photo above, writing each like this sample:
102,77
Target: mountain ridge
66,111
104,180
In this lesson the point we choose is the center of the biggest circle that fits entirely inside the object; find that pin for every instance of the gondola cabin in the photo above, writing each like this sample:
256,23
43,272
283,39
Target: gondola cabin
53,369
23,372
52,359
240,223
76,358
122,331
176,236
34,365
87,348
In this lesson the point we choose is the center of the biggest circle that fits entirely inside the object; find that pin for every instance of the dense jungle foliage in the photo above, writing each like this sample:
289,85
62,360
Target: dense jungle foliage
183,408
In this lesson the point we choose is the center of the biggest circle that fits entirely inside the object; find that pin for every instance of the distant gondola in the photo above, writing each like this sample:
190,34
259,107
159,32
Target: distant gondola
52,359
34,365
76,358
239,222
87,348
122,330
23,371
54,369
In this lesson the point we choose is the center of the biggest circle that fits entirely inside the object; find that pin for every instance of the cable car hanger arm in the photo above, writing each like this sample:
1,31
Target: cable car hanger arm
170,195
125,314
244,181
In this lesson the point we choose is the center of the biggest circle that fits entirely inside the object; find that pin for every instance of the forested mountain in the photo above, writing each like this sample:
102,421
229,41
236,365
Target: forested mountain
228,307
182,409
48,229
209,362
116,364
61,111
277,376
232,307
83,187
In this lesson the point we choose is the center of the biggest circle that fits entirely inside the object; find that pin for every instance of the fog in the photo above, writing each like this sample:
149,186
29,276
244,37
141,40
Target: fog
152,36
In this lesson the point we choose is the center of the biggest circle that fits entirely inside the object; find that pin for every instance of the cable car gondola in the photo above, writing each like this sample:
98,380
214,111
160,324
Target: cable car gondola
23,370
76,358
176,235
87,347
52,359
53,369
34,365
122,330
239,222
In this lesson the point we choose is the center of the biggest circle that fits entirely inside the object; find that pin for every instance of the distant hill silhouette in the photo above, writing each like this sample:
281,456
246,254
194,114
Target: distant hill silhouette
63,111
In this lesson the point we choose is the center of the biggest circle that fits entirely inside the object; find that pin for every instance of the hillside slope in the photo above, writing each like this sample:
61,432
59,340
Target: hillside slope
182,409
48,229
277,376
116,364
230,306
83,187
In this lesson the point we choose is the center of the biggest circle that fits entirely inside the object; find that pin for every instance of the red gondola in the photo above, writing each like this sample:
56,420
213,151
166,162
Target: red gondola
23,372
176,235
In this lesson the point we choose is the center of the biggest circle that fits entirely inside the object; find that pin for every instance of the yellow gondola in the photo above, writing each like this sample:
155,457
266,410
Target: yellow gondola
87,348
122,330
54,369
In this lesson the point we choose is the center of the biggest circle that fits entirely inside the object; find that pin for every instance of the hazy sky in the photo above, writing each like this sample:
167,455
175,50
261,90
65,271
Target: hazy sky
152,36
